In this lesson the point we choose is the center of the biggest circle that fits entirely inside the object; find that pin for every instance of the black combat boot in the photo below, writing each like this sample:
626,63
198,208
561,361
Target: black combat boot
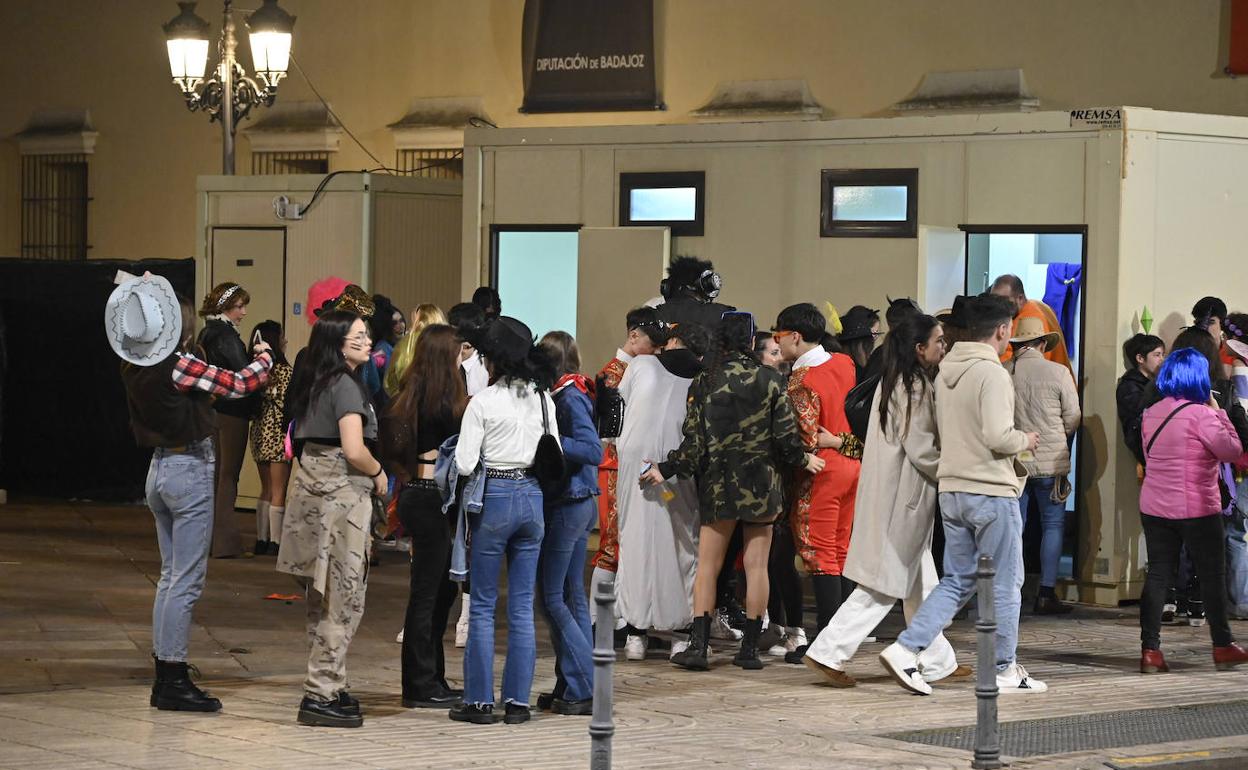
747,657
178,693
694,657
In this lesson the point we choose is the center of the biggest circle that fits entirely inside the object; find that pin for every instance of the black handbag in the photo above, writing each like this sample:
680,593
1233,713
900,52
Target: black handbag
549,466
858,406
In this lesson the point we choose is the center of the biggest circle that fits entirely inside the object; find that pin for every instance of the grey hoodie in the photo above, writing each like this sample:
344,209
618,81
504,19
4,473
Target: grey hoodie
975,419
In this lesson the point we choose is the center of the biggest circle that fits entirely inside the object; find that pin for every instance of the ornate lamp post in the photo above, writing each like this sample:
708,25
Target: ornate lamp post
229,94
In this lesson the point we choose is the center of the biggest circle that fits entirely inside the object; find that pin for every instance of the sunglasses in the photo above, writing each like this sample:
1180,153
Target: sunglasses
777,336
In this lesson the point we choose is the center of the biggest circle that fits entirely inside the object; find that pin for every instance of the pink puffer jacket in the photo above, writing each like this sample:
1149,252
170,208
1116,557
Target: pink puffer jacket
1181,477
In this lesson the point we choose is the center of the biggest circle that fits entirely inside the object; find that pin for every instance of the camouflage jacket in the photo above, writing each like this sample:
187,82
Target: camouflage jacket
736,432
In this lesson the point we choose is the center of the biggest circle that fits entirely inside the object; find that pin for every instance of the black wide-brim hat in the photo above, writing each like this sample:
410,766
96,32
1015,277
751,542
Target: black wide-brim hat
856,324
503,339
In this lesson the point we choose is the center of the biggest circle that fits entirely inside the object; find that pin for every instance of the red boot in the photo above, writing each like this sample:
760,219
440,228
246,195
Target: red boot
1153,662
1228,657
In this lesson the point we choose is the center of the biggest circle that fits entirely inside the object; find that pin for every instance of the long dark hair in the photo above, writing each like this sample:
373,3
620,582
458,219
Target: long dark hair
271,332
902,364
322,362
733,338
432,383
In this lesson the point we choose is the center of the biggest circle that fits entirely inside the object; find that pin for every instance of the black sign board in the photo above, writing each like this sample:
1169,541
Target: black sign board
588,55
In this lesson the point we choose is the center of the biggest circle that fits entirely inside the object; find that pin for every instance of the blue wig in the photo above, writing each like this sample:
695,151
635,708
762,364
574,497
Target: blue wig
1185,375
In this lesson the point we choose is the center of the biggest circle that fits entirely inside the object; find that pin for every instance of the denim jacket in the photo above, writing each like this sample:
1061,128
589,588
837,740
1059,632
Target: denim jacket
582,449
446,474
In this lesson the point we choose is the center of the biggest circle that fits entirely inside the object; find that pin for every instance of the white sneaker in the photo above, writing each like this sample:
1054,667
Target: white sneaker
721,629
904,666
399,639
678,646
796,637
781,647
635,647
1016,679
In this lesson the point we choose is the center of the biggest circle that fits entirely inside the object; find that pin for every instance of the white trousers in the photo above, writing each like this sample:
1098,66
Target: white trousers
865,609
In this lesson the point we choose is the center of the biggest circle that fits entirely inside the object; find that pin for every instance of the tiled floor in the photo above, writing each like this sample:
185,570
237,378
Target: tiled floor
75,595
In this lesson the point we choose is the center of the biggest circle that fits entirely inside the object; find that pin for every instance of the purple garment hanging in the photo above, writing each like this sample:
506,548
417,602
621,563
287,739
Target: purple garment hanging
1061,292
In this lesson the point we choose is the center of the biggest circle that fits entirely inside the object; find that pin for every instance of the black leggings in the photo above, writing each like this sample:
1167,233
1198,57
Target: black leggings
1205,540
784,605
432,591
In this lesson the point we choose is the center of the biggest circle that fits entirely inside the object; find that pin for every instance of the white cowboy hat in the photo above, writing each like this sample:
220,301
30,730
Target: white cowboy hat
143,320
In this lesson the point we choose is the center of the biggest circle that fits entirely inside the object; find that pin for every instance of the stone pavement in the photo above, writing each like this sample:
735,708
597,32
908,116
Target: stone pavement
76,582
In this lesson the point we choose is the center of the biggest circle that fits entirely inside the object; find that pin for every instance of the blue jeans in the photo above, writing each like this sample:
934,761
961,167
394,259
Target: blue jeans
509,527
974,525
564,598
180,494
1052,525
1237,562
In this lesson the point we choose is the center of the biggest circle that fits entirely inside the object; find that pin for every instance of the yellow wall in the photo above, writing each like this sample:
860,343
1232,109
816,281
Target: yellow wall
371,58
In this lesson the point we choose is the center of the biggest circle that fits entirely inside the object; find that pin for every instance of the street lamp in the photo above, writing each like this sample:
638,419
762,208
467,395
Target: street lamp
229,94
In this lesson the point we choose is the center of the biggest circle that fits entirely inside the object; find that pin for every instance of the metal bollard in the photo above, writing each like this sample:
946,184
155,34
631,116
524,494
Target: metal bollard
987,737
601,724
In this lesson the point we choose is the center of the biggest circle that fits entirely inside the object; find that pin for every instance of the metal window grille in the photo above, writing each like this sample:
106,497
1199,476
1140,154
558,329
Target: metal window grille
431,164
269,163
54,206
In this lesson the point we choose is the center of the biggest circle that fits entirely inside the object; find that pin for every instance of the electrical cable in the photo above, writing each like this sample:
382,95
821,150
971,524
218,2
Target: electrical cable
320,188
354,138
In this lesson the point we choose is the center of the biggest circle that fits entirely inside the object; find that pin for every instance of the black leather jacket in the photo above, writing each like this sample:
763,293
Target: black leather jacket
222,347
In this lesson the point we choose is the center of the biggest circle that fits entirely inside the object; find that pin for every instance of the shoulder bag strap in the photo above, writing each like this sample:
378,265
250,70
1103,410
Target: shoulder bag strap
1148,449
545,415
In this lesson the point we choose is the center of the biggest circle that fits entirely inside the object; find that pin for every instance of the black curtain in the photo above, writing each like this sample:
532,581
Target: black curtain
64,427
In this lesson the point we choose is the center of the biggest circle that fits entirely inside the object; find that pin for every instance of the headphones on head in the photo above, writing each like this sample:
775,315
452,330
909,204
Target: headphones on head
708,284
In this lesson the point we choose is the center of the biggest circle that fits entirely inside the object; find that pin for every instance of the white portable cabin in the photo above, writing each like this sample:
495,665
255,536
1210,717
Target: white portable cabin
1149,204
392,235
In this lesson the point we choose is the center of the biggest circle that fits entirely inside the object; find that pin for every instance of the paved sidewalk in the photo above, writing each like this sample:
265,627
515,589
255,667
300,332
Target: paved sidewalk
76,583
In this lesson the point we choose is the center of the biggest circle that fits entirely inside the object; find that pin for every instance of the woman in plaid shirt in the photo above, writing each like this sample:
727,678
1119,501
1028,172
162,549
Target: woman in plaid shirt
171,412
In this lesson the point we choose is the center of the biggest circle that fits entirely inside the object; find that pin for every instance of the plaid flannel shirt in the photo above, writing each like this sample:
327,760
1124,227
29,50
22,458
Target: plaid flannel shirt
191,373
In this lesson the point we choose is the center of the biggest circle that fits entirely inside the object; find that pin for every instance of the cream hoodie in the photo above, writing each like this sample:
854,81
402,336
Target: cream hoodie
975,420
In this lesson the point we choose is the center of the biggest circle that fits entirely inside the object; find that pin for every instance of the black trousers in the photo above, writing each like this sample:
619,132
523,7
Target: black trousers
432,591
784,602
1205,540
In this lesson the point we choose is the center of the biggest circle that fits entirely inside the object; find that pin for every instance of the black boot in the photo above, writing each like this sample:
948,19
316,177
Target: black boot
178,693
334,713
747,658
694,657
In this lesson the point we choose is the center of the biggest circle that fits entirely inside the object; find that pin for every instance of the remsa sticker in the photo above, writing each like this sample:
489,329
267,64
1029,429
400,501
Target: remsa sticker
1103,118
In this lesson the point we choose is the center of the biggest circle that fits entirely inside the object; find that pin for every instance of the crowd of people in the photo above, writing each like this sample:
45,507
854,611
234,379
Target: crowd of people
711,456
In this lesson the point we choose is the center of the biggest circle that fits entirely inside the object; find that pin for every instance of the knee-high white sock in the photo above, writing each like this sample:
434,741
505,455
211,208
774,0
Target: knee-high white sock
277,513
262,520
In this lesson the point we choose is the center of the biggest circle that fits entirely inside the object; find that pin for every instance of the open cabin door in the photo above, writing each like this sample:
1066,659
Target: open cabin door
254,258
942,267
618,269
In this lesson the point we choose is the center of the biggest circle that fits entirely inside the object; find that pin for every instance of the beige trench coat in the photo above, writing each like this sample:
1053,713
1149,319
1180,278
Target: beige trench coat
896,504
325,535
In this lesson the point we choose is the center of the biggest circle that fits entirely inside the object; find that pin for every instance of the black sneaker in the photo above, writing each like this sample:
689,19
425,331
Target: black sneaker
545,701
796,656
573,708
439,699
1195,613
516,714
315,713
477,715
